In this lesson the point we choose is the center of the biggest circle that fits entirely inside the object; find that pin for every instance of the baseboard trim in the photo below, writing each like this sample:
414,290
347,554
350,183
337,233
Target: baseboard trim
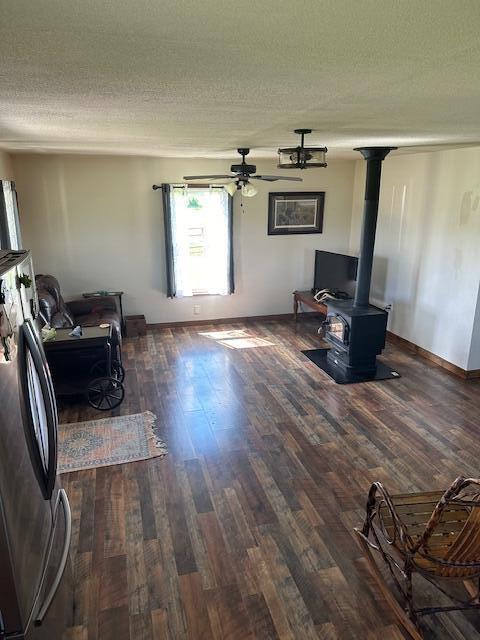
432,357
215,321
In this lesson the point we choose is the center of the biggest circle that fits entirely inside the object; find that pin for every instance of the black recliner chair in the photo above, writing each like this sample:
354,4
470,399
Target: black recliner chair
87,312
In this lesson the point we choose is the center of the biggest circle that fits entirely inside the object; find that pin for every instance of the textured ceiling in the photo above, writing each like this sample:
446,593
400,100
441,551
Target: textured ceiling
201,77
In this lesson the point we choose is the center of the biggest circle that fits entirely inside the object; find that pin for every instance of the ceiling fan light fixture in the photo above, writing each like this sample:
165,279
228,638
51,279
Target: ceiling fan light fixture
240,177
248,190
302,157
230,188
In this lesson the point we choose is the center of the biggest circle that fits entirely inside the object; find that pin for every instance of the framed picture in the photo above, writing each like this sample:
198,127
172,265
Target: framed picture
295,212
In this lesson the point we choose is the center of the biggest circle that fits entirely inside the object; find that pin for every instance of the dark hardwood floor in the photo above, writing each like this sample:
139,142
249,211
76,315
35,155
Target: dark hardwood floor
245,529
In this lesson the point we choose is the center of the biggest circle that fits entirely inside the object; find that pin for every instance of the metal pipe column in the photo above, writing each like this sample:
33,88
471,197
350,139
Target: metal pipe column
374,157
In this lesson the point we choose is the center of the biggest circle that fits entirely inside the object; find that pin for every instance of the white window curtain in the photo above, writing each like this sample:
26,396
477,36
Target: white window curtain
200,226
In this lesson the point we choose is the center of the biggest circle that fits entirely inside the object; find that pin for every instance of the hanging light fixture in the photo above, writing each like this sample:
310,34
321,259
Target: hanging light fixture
230,188
248,190
302,157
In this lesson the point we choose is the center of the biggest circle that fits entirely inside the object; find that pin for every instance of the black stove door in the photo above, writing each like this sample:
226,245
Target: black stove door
337,330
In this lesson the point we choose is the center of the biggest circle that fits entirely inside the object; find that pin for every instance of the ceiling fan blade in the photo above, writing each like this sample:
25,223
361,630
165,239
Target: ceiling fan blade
265,178
274,178
230,177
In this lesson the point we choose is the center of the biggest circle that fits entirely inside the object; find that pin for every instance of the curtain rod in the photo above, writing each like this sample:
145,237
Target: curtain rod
190,186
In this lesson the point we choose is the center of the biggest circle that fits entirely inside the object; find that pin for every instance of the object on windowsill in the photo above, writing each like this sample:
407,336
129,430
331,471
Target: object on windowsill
48,333
76,332
104,325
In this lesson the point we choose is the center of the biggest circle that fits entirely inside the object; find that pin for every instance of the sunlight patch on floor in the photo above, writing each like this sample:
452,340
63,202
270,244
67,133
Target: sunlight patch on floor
224,335
246,343
236,339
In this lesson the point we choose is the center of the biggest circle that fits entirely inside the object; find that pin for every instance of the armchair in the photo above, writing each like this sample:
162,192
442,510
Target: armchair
87,312
434,534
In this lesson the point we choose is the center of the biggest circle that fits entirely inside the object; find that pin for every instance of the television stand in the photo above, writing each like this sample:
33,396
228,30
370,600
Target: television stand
306,298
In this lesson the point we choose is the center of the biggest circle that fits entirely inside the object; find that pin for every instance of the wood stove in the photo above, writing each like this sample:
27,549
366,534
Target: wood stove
356,336
355,329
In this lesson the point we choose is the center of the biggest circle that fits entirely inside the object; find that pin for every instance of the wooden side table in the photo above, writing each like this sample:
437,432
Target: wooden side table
306,298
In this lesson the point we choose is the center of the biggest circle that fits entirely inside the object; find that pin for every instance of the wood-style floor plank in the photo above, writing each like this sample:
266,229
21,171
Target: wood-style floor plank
244,531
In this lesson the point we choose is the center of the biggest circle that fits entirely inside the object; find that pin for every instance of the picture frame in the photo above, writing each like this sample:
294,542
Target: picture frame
294,212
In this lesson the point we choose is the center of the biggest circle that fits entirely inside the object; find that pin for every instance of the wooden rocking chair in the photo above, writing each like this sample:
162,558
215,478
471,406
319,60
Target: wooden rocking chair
435,534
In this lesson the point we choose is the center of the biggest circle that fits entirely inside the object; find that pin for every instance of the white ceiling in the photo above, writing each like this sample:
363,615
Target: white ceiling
201,77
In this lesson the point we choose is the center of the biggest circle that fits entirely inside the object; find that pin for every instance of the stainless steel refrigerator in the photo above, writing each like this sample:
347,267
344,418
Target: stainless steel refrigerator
36,599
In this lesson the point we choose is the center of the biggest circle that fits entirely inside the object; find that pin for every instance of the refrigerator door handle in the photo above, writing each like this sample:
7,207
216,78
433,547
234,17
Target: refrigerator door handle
38,357
48,378
45,368
63,560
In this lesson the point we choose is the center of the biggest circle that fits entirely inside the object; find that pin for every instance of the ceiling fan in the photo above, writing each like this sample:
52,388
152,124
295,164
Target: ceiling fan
240,177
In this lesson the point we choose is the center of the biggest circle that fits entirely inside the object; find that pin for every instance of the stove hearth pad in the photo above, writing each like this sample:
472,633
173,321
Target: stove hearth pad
341,376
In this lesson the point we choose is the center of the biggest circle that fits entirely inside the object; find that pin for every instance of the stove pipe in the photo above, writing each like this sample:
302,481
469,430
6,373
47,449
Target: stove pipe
374,157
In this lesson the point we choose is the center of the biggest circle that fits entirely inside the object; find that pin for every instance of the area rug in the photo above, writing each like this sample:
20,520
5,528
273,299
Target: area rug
100,443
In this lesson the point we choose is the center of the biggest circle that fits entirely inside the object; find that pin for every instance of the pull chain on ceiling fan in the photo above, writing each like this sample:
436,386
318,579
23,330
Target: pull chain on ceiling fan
240,177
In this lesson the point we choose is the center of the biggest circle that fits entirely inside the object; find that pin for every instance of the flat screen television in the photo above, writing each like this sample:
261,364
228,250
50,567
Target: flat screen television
335,271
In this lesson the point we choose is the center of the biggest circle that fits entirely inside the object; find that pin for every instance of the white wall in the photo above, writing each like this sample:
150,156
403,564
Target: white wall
474,358
95,223
6,168
427,252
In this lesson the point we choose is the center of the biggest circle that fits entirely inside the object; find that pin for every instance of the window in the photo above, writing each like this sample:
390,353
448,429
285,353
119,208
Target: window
198,236
9,225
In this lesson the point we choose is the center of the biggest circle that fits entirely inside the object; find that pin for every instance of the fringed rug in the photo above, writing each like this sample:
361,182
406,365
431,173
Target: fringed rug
100,443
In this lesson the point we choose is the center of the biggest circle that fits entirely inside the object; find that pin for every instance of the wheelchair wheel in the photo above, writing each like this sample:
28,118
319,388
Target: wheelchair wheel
105,393
99,370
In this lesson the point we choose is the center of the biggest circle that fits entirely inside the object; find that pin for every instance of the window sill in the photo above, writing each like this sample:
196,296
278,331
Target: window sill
205,295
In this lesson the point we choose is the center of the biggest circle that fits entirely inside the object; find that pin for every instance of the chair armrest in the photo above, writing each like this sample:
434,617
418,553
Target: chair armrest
449,497
84,306
377,496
